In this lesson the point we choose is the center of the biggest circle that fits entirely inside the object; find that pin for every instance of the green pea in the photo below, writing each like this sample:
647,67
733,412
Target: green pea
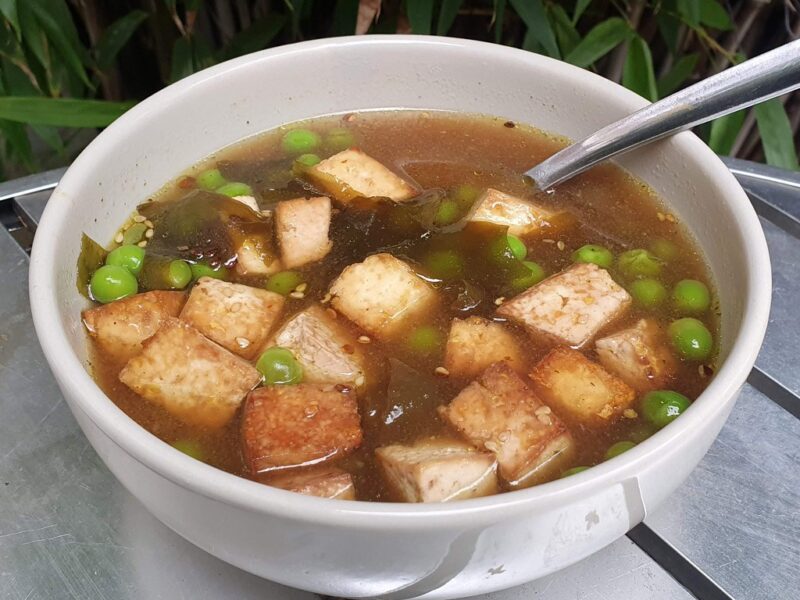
235,188
134,234
112,282
190,448
592,253
448,212
203,269
691,338
518,248
284,282
618,448
446,264
339,139
641,431
535,275
179,274
664,249
691,296
279,367
211,179
300,141
425,339
308,160
129,256
650,293
466,195
663,406
507,247
639,263
573,471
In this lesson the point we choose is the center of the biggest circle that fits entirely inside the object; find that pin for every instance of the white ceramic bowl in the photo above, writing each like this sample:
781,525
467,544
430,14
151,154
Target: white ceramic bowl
356,549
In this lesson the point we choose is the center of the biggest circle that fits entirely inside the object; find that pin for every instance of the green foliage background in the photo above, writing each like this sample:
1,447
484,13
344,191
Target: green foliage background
68,68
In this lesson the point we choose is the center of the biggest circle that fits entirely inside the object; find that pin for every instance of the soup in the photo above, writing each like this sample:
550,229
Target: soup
377,306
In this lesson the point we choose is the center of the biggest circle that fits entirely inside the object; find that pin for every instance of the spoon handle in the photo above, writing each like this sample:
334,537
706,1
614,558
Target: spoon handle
761,78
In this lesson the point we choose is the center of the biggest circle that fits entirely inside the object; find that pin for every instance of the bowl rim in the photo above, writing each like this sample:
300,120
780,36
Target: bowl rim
77,384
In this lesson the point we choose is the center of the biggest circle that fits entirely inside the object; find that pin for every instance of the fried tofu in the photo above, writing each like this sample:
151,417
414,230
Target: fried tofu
475,343
381,294
638,355
325,348
190,376
120,327
301,227
353,174
579,389
570,307
287,426
498,412
324,482
438,471
254,258
520,216
237,317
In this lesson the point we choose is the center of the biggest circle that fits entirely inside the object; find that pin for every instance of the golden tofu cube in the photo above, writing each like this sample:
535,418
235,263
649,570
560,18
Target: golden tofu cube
381,294
498,412
190,376
475,343
570,307
120,327
438,470
353,174
301,227
324,482
520,216
287,426
579,389
238,317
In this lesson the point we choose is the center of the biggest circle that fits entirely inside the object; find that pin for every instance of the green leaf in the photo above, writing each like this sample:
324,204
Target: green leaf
256,37
33,37
580,8
61,112
776,134
182,62
8,8
58,33
713,14
345,16
499,19
447,15
531,44
18,143
689,10
669,26
677,75
420,15
532,14
116,36
566,34
724,131
51,137
638,74
601,40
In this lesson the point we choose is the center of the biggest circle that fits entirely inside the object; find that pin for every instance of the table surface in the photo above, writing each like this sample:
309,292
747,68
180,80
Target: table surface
69,530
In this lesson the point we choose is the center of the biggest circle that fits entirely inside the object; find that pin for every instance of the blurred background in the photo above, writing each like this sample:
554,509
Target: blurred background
70,67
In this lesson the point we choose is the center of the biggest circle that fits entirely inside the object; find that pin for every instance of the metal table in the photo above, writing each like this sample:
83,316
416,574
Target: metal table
69,530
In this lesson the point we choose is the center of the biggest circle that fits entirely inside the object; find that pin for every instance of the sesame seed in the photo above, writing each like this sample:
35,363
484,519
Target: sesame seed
560,245
363,339
236,307
311,410
548,241
149,233
441,371
139,219
118,238
504,436
297,295
333,314
326,298
661,216
183,248
149,223
670,217
266,212
542,410
142,244
360,380
243,342
629,413
500,300
301,288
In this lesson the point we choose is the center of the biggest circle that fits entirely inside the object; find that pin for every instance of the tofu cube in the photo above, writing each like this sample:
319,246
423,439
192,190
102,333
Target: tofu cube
253,257
520,216
301,227
353,174
327,350
381,294
190,376
570,307
638,355
438,471
579,389
120,327
324,482
475,343
287,426
498,412
238,317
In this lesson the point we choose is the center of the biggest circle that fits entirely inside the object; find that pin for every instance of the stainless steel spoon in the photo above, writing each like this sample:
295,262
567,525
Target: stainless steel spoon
771,74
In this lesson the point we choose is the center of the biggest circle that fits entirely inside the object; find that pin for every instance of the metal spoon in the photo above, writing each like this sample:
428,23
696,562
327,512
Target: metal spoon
771,74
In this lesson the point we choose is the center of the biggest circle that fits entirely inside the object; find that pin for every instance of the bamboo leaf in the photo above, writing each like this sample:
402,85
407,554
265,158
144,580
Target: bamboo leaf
447,15
776,134
724,131
580,8
689,10
677,75
8,8
61,112
51,137
34,38
116,36
566,34
533,15
669,27
713,14
420,15
499,18
345,15
601,40
638,74
182,62
18,143
59,34
256,37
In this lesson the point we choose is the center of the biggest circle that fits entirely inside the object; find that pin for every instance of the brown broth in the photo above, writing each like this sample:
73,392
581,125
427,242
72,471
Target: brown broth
437,150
